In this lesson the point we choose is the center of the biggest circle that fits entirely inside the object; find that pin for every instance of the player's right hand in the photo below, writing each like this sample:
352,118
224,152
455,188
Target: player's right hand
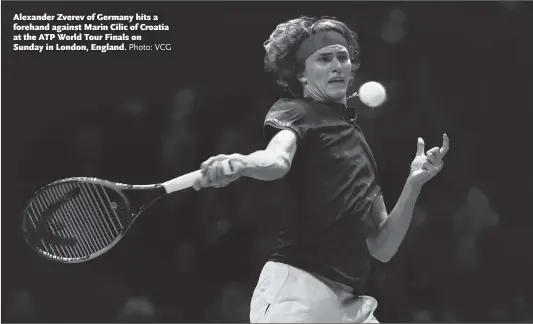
219,171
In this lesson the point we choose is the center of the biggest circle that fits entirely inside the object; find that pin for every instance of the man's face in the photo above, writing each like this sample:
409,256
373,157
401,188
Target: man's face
327,73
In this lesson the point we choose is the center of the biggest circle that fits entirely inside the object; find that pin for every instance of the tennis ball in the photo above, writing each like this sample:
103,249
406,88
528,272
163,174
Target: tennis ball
372,94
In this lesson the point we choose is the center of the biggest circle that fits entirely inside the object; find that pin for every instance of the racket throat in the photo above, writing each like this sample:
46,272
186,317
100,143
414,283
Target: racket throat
145,198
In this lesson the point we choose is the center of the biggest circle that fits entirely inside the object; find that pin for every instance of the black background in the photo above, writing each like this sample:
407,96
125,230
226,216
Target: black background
460,68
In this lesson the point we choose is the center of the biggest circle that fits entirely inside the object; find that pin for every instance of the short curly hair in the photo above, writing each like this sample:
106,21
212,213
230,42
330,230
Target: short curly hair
283,43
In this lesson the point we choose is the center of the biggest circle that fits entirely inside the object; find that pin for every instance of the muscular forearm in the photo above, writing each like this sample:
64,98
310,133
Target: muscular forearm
266,165
391,232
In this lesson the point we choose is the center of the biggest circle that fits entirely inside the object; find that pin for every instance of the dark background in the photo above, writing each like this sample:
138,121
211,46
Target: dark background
460,68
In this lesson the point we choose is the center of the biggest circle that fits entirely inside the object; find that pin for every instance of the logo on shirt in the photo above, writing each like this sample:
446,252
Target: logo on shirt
278,122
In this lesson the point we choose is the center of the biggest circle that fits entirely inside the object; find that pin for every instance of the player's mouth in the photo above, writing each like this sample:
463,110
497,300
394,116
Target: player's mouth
337,80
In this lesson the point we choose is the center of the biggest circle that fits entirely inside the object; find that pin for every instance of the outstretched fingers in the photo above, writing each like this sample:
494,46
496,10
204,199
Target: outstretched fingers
420,147
445,145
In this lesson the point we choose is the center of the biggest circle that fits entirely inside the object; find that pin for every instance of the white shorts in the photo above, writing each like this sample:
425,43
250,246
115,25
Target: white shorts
285,294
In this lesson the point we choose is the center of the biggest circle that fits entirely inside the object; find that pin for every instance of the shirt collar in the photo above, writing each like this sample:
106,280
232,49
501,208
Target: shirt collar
347,111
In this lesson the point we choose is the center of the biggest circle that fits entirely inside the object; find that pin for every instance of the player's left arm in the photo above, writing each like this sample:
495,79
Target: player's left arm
384,242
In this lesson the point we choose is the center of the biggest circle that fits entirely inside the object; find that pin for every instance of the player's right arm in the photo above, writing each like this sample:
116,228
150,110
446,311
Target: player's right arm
275,161
272,163
285,126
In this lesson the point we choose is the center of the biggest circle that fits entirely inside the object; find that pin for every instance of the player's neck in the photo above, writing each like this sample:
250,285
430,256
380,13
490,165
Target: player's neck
316,97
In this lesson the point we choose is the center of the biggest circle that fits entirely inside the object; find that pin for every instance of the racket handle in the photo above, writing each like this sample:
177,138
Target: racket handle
182,182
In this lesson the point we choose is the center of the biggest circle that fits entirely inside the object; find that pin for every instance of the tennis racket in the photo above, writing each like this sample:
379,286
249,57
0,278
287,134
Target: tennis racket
78,219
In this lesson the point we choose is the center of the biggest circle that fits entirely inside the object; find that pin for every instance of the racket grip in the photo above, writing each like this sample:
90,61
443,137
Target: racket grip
182,182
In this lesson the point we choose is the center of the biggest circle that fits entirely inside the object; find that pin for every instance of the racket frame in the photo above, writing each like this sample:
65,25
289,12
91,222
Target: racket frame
157,191
118,188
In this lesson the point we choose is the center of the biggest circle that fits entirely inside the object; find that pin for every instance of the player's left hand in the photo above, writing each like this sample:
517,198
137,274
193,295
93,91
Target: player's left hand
427,165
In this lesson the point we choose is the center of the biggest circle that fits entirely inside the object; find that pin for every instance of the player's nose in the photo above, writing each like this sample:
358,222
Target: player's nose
336,65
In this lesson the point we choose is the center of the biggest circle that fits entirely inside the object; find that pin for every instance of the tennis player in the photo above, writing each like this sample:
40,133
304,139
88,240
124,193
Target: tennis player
319,269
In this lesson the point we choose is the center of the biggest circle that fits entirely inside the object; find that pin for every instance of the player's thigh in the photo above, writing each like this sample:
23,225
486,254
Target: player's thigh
288,294
270,283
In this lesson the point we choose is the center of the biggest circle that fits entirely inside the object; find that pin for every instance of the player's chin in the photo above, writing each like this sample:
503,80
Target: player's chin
336,94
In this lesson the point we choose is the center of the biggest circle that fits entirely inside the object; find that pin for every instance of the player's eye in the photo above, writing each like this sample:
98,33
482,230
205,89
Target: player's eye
343,57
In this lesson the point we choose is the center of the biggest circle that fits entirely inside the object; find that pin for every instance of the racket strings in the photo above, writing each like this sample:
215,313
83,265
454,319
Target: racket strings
82,225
